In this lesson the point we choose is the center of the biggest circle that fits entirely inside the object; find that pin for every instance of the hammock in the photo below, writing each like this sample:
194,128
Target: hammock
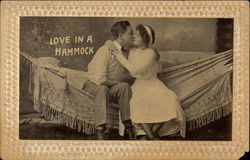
203,87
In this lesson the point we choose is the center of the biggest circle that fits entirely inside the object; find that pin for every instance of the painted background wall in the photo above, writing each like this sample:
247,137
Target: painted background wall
172,34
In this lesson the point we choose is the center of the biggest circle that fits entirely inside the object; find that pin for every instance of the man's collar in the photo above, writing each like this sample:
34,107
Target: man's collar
118,46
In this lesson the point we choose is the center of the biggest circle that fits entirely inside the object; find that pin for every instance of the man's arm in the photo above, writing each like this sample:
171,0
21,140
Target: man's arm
126,77
101,65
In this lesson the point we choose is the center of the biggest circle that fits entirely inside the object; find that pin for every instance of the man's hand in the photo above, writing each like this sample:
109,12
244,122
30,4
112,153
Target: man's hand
126,77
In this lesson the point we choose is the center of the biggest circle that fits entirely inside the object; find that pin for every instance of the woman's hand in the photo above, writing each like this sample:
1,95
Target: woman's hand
113,51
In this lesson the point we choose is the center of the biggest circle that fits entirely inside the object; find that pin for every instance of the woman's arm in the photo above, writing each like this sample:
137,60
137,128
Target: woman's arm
142,64
124,62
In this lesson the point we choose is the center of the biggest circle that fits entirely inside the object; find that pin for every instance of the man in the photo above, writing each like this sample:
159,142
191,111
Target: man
108,79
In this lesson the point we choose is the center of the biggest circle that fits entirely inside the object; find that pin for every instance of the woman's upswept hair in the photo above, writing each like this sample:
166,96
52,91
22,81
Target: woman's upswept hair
144,34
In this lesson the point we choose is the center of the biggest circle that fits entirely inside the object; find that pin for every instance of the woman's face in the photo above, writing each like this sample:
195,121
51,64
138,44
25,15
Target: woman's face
137,39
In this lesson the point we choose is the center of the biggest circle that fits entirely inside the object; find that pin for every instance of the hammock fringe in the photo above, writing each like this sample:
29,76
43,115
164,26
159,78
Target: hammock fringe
65,118
209,117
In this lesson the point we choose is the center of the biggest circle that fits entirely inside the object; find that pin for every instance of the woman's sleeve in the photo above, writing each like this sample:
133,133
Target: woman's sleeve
142,64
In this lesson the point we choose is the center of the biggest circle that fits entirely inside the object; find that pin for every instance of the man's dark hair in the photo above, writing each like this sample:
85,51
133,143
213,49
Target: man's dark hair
119,27
144,34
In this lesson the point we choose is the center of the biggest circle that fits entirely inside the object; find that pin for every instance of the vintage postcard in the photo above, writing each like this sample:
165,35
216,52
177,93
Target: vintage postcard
124,80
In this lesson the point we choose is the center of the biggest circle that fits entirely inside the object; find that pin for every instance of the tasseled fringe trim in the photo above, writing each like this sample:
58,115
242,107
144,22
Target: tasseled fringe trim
209,117
67,119
73,122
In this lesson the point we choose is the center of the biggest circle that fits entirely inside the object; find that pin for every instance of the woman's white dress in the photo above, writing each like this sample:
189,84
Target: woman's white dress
152,101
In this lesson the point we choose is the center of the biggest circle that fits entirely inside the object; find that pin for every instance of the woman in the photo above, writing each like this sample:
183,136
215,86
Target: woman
152,103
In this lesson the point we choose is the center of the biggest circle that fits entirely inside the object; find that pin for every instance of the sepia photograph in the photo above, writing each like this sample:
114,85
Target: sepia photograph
126,78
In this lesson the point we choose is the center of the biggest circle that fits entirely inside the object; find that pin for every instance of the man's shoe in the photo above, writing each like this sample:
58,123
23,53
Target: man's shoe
101,135
142,137
129,133
156,136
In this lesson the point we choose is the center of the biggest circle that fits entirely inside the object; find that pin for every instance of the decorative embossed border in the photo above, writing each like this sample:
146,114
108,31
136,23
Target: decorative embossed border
13,148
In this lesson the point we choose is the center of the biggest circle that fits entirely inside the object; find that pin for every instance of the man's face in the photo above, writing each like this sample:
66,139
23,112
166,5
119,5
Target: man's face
127,37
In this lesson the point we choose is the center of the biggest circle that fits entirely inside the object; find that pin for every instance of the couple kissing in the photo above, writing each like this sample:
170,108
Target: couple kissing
125,70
